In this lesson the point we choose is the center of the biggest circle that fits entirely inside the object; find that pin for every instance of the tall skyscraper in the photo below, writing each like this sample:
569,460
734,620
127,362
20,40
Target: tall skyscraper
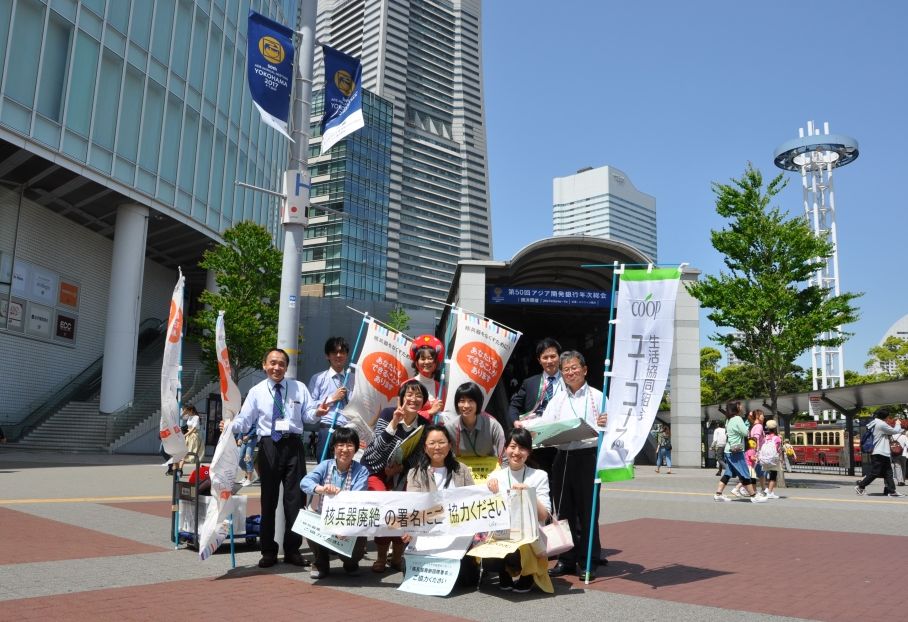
425,58
604,202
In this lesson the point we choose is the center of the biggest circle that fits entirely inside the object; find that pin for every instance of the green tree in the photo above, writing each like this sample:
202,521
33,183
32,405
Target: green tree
891,356
398,319
709,375
763,296
247,269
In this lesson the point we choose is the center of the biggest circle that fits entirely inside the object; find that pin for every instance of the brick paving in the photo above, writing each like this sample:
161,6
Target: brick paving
254,597
162,508
25,538
773,570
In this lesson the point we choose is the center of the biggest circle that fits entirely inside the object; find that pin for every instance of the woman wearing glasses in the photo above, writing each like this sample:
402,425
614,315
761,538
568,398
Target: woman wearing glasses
574,467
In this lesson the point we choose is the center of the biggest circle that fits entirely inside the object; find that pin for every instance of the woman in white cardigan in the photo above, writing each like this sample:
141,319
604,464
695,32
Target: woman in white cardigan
516,475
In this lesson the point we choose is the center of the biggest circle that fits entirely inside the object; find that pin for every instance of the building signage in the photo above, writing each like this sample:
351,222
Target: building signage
545,295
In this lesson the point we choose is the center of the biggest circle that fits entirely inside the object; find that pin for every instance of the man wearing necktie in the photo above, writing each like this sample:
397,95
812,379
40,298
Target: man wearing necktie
536,392
328,387
278,407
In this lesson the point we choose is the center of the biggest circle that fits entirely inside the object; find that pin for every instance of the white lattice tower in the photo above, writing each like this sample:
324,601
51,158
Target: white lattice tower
815,155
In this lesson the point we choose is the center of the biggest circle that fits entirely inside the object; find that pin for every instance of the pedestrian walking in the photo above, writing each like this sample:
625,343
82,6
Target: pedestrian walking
883,427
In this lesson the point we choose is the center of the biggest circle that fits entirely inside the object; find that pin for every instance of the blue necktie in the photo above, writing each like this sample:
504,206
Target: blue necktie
277,412
549,388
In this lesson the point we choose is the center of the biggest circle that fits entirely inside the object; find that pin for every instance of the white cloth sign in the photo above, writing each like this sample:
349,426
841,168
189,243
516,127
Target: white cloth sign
309,525
643,350
481,350
455,511
430,576
171,436
380,370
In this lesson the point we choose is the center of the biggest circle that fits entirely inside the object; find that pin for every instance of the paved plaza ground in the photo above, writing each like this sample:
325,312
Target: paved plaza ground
86,537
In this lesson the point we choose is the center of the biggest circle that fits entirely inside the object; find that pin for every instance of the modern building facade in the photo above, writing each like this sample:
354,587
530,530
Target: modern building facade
425,58
124,126
346,256
604,202
899,330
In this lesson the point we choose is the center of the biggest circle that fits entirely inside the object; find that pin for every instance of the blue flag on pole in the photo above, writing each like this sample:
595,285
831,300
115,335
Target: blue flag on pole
270,69
343,97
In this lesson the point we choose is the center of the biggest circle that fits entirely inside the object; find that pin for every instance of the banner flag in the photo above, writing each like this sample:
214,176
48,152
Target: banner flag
481,350
171,436
224,464
644,336
343,97
380,369
456,511
270,69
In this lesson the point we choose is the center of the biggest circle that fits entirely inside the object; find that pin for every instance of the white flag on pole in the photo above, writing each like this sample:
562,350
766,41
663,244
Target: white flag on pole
171,435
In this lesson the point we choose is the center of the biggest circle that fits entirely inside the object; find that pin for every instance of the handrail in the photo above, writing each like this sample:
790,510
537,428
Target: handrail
81,385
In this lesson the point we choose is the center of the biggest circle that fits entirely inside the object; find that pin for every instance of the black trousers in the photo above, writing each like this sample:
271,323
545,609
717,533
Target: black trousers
281,462
573,473
880,466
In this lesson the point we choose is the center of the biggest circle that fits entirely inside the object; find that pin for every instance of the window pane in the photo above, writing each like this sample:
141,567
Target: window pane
203,170
6,14
163,27
182,29
140,27
24,51
199,41
214,57
53,68
171,147
188,152
82,85
153,122
108,99
118,15
130,115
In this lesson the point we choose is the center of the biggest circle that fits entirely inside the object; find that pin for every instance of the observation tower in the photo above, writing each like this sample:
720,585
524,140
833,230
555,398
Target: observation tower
815,155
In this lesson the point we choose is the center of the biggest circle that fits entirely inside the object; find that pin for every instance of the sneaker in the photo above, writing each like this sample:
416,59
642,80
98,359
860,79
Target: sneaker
758,499
244,482
505,582
766,491
737,493
720,497
523,585
316,573
859,490
771,495
895,494
351,568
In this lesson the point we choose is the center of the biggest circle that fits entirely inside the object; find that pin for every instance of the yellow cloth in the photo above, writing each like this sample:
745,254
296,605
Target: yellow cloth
537,567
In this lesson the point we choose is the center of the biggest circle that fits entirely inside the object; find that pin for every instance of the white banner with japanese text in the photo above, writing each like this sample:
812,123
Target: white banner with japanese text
644,334
380,369
171,365
456,511
481,350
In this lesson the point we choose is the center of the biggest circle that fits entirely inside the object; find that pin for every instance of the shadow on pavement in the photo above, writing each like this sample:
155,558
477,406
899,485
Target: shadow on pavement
675,574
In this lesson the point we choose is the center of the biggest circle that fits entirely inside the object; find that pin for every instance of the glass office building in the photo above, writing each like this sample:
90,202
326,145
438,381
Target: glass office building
124,125
345,250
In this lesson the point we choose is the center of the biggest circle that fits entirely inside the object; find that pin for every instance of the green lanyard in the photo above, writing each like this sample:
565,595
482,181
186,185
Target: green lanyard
522,478
467,436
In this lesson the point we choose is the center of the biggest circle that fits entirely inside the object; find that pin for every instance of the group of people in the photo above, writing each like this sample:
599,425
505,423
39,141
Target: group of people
888,435
750,450
277,408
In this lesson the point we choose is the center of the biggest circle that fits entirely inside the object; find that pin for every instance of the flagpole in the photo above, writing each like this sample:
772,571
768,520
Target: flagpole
294,231
344,385
602,408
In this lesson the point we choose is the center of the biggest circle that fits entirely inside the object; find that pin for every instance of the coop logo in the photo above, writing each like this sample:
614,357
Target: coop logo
344,82
646,307
272,50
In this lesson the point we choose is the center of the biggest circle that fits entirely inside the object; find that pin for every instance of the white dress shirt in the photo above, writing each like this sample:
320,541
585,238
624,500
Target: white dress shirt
297,405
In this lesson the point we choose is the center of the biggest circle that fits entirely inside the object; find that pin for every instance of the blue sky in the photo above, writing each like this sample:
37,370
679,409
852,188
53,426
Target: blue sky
681,94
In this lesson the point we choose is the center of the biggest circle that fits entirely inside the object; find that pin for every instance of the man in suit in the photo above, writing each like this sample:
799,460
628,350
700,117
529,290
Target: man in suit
535,393
277,407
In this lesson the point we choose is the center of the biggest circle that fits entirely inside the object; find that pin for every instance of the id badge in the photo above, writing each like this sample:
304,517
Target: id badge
282,425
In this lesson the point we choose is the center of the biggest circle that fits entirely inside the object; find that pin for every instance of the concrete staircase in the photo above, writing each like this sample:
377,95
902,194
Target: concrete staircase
79,427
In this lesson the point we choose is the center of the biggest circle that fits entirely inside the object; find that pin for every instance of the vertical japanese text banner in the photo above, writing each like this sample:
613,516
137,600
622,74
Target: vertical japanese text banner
644,334
171,436
270,69
481,350
380,370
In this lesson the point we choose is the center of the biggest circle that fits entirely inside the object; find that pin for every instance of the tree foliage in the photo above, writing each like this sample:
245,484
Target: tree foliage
763,296
398,319
247,269
891,357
